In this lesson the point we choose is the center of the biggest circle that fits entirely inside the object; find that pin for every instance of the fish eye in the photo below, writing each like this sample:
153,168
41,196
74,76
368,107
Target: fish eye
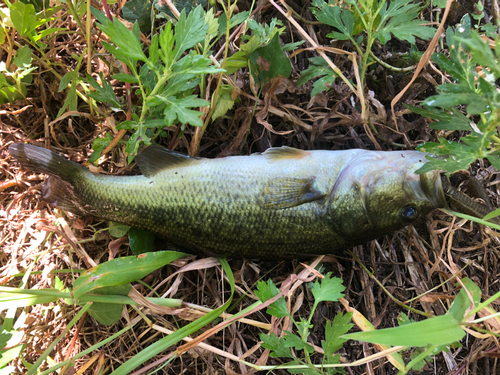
409,213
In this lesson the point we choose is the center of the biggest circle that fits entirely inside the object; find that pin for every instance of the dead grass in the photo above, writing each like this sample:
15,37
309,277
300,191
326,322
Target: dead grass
415,266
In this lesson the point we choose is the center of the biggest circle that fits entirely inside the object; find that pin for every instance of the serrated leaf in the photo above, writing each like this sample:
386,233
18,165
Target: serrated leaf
451,100
443,120
333,330
266,291
441,330
127,45
276,345
104,94
189,31
178,110
451,66
405,31
334,16
323,84
455,156
291,340
122,271
400,19
328,289
481,51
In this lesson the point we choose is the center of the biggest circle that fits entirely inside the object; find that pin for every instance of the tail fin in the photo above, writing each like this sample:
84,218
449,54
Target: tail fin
41,160
59,188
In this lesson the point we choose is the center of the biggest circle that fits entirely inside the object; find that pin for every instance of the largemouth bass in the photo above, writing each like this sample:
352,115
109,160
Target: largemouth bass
283,203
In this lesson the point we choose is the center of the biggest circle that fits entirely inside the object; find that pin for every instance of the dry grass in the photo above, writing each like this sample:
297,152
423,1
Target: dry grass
415,266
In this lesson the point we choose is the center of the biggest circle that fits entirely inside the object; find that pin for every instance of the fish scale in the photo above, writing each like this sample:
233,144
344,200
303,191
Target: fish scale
284,203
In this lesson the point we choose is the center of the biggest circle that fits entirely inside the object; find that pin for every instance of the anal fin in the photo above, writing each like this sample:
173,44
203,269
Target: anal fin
61,194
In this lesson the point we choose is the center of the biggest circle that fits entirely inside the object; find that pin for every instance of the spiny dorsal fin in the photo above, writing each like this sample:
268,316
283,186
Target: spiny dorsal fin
284,152
154,159
289,192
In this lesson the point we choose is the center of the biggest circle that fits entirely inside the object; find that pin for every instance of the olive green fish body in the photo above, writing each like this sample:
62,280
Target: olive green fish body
284,203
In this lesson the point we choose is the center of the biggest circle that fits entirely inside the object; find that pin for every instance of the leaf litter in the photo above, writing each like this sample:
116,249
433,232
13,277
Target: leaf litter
412,268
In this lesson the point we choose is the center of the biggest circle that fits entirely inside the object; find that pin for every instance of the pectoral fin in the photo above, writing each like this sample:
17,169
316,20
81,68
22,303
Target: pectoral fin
289,192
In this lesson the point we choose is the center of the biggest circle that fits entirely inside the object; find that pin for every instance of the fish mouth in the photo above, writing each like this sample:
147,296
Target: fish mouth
433,188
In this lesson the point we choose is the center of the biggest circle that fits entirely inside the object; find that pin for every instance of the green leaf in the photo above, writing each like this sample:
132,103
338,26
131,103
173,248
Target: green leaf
266,32
276,345
441,330
333,330
23,17
495,162
98,145
462,302
444,120
125,77
27,298
271,61
481,51
9,355
117,230
334,16
450,156
122,271
104,94
235,20
140,11
189,31
141,241
66,80
267,291
400,19
445,100
225,101
291,340
108,313
328,289
126,45
170,340
23,57
178,110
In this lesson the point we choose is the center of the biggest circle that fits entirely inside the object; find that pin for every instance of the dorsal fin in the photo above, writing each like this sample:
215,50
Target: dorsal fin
284,152
155,158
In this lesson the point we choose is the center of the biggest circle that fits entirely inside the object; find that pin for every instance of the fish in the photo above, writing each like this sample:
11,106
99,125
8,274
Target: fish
284,203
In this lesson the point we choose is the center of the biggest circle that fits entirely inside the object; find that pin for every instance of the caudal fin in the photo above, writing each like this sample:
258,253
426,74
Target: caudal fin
59,188
41,160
